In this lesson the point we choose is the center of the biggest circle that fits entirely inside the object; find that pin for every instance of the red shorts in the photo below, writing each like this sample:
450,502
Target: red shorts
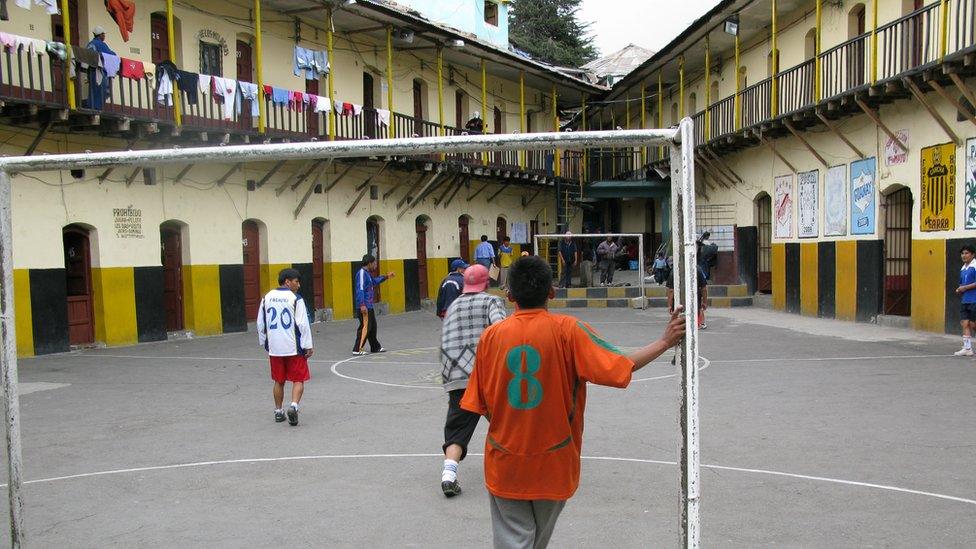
289,368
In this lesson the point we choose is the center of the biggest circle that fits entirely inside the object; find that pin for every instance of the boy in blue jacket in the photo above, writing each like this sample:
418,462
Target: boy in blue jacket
365,294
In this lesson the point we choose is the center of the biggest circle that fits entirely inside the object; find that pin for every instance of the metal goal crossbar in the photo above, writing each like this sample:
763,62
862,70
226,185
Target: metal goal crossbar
679,140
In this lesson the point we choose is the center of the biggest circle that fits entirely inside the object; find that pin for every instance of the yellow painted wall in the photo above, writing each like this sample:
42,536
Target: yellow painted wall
393,291
23,313
779,276
115,305
928,298
846,280
201,299
269,275
809,288
437,269
338,284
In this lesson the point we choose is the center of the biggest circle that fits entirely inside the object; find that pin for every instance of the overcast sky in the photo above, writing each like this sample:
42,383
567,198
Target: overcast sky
646,23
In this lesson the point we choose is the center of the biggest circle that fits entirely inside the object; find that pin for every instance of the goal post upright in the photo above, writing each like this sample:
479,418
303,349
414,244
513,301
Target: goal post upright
686,293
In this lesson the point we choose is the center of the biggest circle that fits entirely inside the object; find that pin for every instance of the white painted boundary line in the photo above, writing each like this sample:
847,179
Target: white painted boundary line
885,487
827,359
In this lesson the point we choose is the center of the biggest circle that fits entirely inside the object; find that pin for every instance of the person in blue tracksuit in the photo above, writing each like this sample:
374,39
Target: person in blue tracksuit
365,294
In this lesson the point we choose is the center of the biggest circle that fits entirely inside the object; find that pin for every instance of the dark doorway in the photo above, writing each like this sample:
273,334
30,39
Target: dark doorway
311,117
898,253
77,266
373,248
501,229
245,73
318,263
465,243
252,269
369,107
418,108
533,230
172,259
764,221
422,256
159,36
459,109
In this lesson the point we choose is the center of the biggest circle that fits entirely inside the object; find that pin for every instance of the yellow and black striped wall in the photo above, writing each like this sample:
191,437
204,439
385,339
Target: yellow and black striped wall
935,304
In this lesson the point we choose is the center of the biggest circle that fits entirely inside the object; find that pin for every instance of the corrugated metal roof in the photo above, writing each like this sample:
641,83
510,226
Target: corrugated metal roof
619,62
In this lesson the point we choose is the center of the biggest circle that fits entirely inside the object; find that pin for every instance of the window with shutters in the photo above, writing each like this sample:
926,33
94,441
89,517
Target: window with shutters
210,59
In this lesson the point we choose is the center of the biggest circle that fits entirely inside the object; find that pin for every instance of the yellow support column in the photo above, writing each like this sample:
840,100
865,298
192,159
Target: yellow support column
660,109
389,78
440,87
944,47
66,21
627,111
177,111
329,48
557,160
816,57
708,89
522,115
643,119
484,107
874,41
262,110
773,95
737,102
681,87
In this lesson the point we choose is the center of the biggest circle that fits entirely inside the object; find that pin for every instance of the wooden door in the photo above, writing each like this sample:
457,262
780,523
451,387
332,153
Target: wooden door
501,229
77,266
252,269
311,117
497,121
369,107
418,108
373,248
245,73
159,36
422,258
459,109
172,260
318,264
898,253
765,243
58,82
463,238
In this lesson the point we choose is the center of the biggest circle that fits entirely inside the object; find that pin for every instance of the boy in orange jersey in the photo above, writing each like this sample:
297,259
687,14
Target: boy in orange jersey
530,380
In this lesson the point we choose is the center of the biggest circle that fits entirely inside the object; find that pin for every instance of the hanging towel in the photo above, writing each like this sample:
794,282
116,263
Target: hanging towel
279,96
113,63
204,83
384,116
297,101
22,42
7,40
37,46
357,109
189,84
347,109
268,90
338,106
249,91
322,104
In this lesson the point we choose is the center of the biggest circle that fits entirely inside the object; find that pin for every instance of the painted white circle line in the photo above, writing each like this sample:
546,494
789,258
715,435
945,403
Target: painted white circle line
588,458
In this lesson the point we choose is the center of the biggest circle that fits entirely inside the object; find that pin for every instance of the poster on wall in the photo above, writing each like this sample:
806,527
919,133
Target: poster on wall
783,205
835,201
808,202
938,203
863,195
894,154
970,211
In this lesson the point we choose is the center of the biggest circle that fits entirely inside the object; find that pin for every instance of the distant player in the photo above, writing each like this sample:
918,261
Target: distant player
365,296
505,257
284,332
530,382
967,292
466,319
451,286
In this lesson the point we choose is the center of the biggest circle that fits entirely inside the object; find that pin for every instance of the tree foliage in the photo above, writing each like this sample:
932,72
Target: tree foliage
550,31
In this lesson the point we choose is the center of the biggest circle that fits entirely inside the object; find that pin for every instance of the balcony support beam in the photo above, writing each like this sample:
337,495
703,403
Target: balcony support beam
498,192
274,169
718,160
714,172
179,177
809,147
434,177
772,147
410,189
427,190
963,88
660,110
525,203
447,189
832,127
877,120
372,176
952,101
476,193
457,189
935,114
40,136
223,179
300,175
440,90
310,190
681,87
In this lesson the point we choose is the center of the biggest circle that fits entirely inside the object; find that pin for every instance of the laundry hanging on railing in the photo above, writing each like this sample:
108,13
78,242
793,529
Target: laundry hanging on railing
56,49
297,101
166,77
189,83
279,96
227,89
51,6
384,116
322,104
204,84
310,63
249,91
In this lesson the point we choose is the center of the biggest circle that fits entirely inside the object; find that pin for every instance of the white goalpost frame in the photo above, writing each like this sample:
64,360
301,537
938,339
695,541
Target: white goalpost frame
640,251
679,140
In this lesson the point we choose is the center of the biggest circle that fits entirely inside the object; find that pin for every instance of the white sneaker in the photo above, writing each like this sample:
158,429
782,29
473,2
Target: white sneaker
360,353
964,352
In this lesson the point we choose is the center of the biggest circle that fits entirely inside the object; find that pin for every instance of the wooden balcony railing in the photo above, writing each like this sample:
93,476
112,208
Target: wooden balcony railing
796,87
722,117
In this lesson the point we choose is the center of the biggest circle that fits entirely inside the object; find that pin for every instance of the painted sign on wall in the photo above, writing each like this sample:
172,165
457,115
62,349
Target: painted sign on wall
938,197
893,153
864,193
970,211
783,205
808,200
835,201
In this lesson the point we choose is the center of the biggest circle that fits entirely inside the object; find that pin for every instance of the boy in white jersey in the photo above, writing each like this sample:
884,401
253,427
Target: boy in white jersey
284,332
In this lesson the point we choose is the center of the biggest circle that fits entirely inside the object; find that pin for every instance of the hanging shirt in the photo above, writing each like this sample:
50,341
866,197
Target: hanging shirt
37,46
322,104
357,109
132,69
226,88
279,96
166,76
205,83
384,116
249,92
189,84
282,324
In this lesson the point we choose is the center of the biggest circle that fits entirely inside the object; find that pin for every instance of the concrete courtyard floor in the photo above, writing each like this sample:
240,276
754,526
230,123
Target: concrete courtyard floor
814,434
